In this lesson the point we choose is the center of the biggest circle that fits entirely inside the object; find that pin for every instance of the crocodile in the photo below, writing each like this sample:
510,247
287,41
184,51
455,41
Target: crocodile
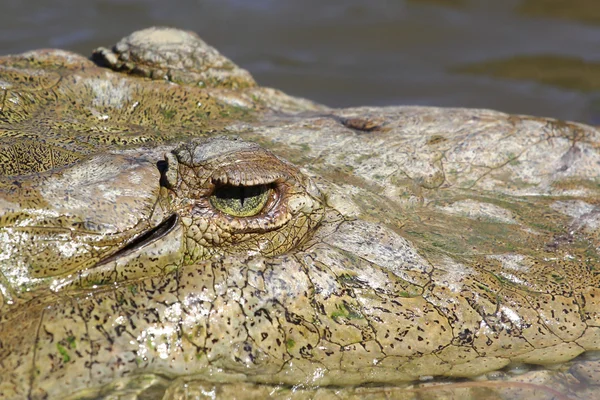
171,229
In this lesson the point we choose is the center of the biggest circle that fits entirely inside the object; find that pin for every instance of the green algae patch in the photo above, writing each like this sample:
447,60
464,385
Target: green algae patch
577,184
169,114
63,352
345,311
456,235
304,147
236,113
408,295
290,152
63,347
365,157
349,280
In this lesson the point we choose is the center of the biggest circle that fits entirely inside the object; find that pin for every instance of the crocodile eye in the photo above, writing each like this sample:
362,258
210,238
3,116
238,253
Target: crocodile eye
241,201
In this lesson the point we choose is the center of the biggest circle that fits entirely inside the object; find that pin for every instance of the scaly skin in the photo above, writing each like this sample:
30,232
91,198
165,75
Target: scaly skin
395,245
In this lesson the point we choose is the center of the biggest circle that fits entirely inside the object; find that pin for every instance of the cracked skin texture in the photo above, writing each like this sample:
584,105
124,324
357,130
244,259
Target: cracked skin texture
390,245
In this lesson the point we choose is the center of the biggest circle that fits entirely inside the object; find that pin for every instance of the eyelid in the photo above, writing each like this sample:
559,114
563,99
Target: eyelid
247,174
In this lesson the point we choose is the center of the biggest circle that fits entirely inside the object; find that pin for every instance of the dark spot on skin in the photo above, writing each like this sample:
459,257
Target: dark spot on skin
305,352
119,329
569,158
435,139
361,124
558,242
465,337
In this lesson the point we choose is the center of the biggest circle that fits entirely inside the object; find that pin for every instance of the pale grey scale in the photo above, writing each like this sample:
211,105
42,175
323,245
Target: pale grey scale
215,148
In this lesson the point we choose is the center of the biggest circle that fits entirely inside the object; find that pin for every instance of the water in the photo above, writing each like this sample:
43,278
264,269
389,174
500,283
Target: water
350,52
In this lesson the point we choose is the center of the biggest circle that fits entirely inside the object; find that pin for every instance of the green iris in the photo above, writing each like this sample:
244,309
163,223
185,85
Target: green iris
240,201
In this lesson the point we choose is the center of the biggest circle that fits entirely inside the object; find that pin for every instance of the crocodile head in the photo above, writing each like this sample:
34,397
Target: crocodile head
160,236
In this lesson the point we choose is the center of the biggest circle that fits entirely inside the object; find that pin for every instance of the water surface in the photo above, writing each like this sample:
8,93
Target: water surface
535,57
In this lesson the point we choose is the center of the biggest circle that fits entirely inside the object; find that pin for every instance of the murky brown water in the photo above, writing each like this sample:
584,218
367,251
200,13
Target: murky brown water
525,56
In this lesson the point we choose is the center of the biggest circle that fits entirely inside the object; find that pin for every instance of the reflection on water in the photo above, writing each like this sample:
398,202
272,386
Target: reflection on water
569,73
352,52
577,10
443,3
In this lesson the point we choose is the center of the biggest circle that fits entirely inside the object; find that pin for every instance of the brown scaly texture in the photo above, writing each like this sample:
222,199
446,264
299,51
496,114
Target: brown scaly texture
397,245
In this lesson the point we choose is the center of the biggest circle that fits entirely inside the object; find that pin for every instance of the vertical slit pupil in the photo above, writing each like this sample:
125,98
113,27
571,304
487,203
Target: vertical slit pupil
241,201
241,193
